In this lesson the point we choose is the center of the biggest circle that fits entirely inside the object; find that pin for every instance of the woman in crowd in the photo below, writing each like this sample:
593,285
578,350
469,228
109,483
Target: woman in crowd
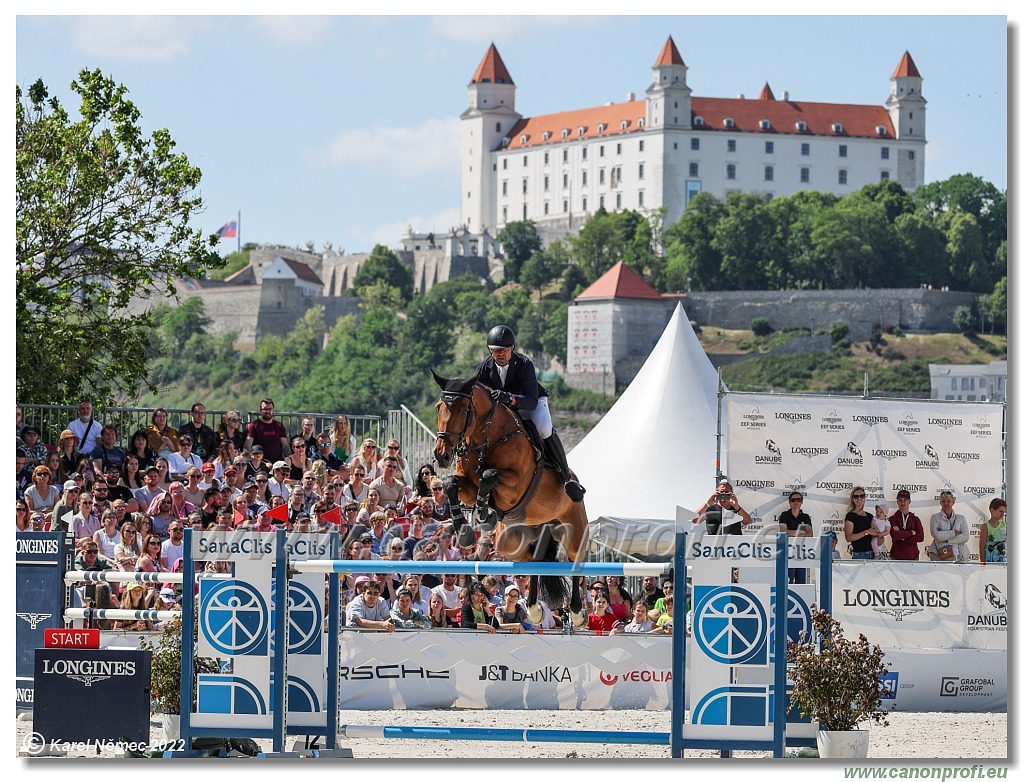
128,550
858,529
131,473
231,431
620,602
164,468
108,536
477,610
343,442
370,506
180,507
70,456
52,462
297,462
394,449
21,517
511,615
423,477
41,497
226,453
162,438
145,526
136,598
796,523
182,459
436,613
367,460
103,597
405,615
140,449
992,541
149,560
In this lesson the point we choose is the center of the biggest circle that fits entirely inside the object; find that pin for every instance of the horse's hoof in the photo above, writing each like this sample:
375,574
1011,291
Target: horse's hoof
535,613
466,536
488,521
575,491
578,619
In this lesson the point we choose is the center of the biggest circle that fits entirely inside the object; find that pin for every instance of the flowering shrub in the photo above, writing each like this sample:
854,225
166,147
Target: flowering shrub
840,685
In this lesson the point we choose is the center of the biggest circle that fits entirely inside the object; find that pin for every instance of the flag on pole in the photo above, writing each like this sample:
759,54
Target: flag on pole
228,230
333,515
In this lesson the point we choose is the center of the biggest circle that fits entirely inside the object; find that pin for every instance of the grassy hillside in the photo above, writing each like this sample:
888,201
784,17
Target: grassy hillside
893,362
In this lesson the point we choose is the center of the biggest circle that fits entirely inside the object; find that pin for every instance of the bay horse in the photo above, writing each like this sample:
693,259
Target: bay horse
497,471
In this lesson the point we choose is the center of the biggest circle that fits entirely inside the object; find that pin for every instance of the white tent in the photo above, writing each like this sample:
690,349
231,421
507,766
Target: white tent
655,449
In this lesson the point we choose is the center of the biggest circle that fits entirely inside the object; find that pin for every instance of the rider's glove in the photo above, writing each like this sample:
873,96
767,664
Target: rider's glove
502,397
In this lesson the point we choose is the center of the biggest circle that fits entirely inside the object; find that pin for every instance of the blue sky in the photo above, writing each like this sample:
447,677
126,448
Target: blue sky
344,129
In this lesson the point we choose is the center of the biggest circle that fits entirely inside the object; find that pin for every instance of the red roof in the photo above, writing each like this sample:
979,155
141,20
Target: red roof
491,69
906,67
766,93
620,282
669,55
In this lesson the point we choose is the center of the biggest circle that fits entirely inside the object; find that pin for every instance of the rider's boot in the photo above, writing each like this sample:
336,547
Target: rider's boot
556,454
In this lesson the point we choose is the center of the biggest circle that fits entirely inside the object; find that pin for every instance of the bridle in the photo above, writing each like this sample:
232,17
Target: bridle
462,447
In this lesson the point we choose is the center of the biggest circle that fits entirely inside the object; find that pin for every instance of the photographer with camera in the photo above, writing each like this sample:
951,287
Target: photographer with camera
722,513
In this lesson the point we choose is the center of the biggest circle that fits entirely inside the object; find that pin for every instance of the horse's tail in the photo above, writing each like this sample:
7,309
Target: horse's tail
555,590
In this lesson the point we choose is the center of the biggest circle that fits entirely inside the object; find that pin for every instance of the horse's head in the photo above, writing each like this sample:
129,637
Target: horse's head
454,415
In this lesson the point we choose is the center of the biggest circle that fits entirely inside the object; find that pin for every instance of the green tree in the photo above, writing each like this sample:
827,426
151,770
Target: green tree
555,339
691,259
384,266
519,240
539,270
600,244
743,237
968,268
922,250
181,322
974,196
102,217
963,319
994,306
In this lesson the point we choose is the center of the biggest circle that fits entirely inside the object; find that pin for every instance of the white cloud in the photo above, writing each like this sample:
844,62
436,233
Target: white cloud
134,38
296,30
403,152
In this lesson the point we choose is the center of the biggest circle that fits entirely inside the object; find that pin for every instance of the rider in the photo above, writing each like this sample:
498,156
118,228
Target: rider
513,381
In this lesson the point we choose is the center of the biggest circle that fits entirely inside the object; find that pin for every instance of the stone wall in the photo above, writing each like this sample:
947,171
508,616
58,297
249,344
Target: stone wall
911,309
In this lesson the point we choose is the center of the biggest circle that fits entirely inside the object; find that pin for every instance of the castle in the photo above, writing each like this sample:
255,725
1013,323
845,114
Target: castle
558,169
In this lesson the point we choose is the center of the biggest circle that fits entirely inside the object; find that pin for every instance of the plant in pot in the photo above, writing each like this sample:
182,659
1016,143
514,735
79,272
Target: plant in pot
165,677
837,683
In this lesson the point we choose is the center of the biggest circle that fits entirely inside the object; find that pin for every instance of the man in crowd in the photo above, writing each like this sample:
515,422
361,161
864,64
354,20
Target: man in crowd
86,429
204,439
905,529
367,609
390,488
269,434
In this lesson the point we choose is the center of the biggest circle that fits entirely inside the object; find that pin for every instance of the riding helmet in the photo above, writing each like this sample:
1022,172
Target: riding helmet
501,337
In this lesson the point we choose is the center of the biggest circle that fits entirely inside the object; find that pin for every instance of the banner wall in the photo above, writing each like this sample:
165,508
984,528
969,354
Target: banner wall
825,446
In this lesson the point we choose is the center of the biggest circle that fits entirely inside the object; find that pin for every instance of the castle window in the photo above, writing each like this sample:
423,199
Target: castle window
694,144
524,186
497,127
545,158
842,150
640,171
805,149
565,133
765,124
600,177
584,179
618,200
581,130
769,147
624,124
600,151
526,159
730,171
504,187
842,176
601,127
884,175
584,153
504,164
546,183
545,135
640,196
769,173
729,122
885,153
698,121
837,127
801,126
730,145
880,130
641,145
523,139
805,175
565,156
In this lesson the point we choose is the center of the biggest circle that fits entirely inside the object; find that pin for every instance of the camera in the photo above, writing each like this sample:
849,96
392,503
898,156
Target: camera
723,497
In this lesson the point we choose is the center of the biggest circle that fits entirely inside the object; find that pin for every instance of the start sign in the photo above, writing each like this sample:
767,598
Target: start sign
67,638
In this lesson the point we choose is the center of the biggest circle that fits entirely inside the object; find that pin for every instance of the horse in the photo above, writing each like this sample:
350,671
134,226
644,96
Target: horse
498,472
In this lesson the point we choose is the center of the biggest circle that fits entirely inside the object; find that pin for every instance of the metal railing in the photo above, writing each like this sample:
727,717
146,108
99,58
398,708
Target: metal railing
417,439
51,420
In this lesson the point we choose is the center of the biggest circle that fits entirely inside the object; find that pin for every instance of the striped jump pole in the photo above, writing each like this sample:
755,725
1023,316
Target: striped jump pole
464,568
121,576
144,614
505,734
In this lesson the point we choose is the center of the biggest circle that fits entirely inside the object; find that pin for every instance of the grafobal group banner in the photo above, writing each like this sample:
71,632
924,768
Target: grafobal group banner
825,446
441,670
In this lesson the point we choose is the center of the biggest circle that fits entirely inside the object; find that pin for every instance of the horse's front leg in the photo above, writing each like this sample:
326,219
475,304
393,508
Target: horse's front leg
463,531
485,516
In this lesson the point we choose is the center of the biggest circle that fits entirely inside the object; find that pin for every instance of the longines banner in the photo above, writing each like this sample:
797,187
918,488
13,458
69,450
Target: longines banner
825,446
925,605
441,670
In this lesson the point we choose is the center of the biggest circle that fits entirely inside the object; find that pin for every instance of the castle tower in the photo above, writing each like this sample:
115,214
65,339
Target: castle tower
668,97
906,107
486,123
